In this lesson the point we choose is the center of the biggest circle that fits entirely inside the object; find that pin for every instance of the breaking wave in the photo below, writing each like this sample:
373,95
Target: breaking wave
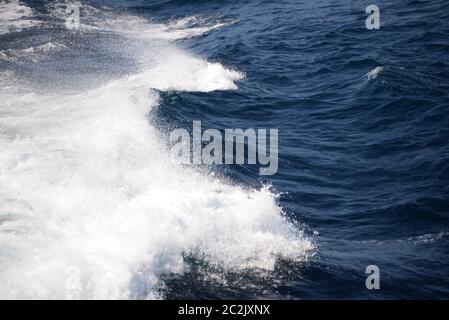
89,199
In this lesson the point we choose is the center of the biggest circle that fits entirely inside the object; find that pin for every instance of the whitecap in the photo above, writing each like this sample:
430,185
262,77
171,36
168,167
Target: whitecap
373,74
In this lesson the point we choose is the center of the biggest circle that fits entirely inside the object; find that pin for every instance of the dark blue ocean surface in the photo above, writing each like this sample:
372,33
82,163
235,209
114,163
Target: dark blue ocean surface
363,120
363,160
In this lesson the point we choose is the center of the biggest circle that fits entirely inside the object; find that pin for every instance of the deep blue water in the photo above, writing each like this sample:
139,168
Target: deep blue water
363,160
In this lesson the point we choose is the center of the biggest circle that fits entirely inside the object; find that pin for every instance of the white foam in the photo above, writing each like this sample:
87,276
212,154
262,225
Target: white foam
177,70
139,28
136,27
95,199
373,74
15,16
90,201
34,54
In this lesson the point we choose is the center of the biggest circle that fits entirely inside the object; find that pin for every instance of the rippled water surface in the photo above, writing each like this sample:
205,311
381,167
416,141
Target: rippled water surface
91,207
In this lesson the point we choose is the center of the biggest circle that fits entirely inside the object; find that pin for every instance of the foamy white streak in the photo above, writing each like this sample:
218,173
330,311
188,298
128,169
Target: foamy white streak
135,27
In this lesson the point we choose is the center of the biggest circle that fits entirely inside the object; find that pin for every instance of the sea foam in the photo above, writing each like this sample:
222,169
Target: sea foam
90,201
